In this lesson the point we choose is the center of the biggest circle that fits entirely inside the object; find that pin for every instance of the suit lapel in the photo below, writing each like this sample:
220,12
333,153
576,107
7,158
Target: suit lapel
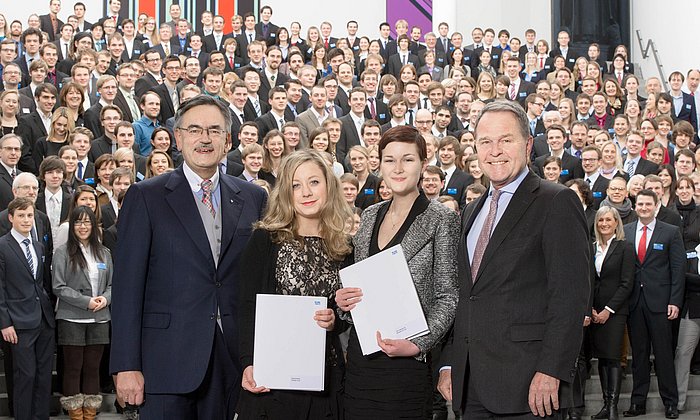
654,236
521,200
470,213
613,245
21,254
181,200
231,207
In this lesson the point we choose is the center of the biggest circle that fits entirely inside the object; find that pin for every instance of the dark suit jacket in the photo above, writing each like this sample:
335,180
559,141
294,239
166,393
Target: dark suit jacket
210,43
348,138
144,84
100,146
42,229
394,65
271,32
120,102
599,189
457,187
663,271
138,49
265,87
65,202
23,298
570,56
524,89
148,309
570,167
6,194
266,123
108,216
31,128
609,121
382,109
688,112
645,167
91,118
167,109
545,295
613,286
174,49
45,25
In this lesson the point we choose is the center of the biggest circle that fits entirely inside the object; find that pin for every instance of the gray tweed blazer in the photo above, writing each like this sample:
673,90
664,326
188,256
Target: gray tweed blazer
430,247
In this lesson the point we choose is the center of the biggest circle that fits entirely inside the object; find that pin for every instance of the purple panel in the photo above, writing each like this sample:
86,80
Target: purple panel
416,12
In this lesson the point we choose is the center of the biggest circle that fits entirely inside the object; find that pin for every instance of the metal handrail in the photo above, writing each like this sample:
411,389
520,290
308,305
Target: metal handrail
645,53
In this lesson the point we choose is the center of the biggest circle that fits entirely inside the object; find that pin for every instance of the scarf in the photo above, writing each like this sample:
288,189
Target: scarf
624,209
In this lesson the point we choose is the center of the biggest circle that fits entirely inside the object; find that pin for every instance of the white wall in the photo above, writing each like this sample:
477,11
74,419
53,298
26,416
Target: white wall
21,9
672,27
515,16
368,14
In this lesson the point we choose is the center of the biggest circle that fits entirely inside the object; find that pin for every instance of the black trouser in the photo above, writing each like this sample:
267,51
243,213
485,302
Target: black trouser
32,359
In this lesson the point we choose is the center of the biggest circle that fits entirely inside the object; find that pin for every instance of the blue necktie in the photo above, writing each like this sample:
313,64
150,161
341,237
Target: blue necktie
30,260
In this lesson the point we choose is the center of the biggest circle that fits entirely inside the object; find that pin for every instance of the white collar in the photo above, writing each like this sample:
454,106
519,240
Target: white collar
195,180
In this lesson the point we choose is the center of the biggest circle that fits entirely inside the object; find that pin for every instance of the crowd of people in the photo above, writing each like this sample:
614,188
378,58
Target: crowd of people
304,152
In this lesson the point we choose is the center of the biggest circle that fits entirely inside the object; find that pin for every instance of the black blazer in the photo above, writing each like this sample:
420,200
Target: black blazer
645,167
663,271
394,65
599,189
120,102
688,111
91,118
266,123
457,187
570,56
108,216
45,25
65,202
612,287
271,32
23,298
382,109
265,87
570,167
210,43
100,146
6,194
609,122
144,84
348,137
368,193
167,109
138,49
523,312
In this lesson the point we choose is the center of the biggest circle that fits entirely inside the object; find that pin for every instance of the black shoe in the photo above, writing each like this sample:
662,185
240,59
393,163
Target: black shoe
671,412
635,410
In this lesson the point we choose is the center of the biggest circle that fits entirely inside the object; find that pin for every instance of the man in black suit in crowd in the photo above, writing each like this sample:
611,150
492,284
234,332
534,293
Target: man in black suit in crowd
350,134
270,76
153,76
215,41
110,116
590,161
387,46
248,134
54,199
564,49
525,252
376,108
10,152
247,37
267,29
655,301
570,166
456,180
635,163
402,57
687,110
26,314
167,91
107,88
50,23
33,126
519,89
274,118
120,180
601,118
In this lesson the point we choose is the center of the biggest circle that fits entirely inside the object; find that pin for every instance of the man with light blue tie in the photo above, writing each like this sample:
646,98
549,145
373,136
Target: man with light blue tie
635,163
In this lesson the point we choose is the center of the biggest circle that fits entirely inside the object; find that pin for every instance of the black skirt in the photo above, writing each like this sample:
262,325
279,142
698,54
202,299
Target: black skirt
381,387
606,339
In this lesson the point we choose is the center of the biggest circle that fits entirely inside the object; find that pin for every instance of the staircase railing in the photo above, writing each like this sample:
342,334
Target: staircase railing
655,52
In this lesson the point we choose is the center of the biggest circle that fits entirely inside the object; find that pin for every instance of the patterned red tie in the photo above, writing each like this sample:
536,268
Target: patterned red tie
485,233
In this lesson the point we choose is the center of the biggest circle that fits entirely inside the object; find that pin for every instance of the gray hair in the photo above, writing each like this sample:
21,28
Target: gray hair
10,136
23,177
503,105
201,100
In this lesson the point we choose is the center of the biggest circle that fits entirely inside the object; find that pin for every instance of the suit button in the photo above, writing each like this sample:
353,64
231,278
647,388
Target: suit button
218,284
472,298
212,317
37,298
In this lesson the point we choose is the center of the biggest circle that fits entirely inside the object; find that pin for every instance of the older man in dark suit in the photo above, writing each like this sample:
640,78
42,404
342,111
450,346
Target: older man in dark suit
195,222
656,299
523,266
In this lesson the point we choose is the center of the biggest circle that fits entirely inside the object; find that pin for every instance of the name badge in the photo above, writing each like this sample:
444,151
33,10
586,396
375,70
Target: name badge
137,51
452,191
272,35
369,191
597,194
495,56
571,60
659,247
565,172
382,116
26,111
89,181
687,106
691,254
310,50
523,94
332,45
547,67
101,266
46,238
140,176
440,60
357,47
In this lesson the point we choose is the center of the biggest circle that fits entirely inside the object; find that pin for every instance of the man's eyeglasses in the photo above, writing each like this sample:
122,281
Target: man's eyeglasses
197,131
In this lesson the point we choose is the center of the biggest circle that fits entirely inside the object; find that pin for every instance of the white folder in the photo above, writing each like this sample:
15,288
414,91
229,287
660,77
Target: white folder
290,347
389,303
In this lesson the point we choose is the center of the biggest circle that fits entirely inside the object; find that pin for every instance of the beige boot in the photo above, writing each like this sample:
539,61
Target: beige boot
74,406
91,404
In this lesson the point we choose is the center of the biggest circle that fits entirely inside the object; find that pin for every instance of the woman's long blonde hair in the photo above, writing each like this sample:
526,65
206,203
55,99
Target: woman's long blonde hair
280,218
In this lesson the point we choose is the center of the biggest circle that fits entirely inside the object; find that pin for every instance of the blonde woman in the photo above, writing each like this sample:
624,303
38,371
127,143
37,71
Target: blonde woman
486,86
296,250
62,124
